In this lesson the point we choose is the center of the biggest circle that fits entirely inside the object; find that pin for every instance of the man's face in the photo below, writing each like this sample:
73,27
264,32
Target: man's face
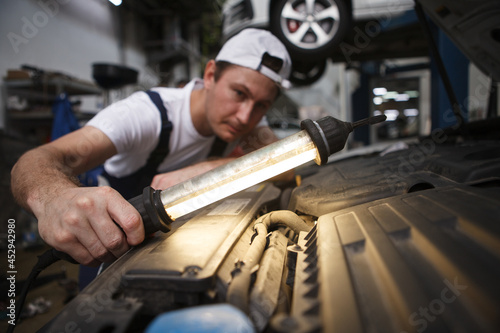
237,101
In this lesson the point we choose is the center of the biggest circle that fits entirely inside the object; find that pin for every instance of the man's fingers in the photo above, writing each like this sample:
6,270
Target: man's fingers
110,241
94,228
82,241
128,219
155,182
98,250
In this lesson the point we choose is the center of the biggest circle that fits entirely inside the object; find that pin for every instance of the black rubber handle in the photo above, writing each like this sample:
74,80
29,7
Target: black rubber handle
330,134
154,216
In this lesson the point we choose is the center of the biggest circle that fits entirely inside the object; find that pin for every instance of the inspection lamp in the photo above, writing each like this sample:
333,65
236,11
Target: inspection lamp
315,142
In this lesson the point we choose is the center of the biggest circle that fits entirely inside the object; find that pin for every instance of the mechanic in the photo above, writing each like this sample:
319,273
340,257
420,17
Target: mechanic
158,138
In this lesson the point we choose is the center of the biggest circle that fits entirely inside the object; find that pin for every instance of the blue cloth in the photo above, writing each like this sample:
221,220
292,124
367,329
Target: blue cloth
65,122
64,118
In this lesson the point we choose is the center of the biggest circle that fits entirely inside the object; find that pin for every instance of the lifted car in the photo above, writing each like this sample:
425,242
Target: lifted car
310,29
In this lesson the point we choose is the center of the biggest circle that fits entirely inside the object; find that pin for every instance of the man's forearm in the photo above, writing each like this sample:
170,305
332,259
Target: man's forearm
165,180
39,175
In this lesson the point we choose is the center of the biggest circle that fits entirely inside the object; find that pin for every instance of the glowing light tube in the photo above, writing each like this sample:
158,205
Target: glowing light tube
239,174
316,142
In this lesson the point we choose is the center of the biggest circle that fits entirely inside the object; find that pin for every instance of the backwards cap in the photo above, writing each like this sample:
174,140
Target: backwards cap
259,50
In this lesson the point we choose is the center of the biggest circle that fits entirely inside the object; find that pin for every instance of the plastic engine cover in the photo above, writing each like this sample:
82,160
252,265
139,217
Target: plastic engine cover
420,262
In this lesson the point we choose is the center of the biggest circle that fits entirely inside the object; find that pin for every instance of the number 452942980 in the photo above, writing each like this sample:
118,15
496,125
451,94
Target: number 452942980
11,239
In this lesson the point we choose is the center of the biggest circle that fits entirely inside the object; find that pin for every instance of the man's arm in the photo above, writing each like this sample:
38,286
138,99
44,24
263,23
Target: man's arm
168,179
258,138
84,222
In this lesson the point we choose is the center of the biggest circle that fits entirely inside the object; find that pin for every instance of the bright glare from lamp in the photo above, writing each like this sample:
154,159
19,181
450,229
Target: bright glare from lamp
116,2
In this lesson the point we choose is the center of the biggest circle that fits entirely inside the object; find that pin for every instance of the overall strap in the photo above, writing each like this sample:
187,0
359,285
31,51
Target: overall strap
161,151
132,185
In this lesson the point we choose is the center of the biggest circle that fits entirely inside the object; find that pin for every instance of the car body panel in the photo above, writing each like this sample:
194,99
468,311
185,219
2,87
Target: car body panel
475,31
371,9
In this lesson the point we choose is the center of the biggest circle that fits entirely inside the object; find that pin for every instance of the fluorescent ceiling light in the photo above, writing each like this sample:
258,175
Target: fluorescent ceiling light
410,112
116,2
402,98
379,91
391,114
412,93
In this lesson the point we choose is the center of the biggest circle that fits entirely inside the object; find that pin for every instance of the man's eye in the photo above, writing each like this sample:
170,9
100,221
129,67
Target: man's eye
262,107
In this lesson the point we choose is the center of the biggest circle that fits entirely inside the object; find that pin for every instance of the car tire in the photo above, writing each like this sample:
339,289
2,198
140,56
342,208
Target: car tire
310,36
305,73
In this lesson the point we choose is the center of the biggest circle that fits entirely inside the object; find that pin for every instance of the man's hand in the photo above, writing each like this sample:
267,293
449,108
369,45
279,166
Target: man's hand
92,224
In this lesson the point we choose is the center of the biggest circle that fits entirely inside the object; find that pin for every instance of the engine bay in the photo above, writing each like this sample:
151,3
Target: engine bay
401,241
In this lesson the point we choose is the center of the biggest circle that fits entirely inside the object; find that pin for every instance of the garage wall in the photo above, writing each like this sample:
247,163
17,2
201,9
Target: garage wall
66,36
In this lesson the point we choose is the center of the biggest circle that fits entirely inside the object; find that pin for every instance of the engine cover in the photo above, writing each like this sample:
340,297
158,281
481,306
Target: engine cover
425,261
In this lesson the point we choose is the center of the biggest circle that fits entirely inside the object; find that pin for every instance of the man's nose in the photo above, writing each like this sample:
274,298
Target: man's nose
244,113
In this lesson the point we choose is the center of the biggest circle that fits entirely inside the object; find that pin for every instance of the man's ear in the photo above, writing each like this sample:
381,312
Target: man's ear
208,75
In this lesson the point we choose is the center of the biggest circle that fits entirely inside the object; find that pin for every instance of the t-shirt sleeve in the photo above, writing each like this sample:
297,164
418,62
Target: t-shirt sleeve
132,124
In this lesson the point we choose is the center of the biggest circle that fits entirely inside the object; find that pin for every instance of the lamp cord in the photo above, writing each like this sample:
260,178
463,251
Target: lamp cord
45,260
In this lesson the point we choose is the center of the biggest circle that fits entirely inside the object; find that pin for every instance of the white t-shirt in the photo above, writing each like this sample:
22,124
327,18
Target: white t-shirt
134,125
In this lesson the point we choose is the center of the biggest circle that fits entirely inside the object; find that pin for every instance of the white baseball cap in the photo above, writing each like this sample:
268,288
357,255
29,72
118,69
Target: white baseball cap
259,50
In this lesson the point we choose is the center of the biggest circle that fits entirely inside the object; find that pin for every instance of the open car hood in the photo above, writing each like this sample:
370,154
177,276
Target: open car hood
474,27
